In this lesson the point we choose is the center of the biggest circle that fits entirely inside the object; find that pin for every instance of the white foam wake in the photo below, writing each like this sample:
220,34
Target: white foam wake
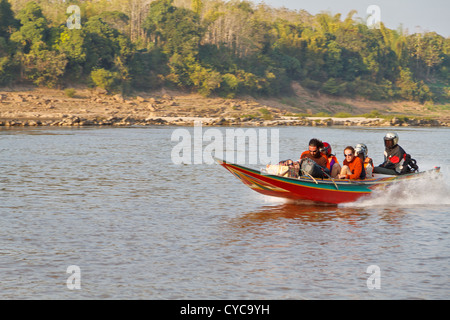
431,189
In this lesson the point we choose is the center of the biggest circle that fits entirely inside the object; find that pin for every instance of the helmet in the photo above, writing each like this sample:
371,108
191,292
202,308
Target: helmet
361,148
391,136
326,148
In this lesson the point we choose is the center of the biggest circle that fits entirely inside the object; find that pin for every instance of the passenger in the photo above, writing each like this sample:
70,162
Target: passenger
332,162
352,166
394,156
361,151
315,154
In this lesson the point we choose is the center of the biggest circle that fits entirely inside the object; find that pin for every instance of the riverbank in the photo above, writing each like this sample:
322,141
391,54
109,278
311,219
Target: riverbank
84,107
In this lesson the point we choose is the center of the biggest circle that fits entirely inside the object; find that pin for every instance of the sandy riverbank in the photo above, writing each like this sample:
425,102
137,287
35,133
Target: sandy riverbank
45,107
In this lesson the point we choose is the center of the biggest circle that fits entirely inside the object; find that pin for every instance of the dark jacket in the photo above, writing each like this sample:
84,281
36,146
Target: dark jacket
394,158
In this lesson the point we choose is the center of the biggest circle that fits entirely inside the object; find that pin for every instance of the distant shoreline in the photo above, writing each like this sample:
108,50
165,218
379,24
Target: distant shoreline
88,107
75,121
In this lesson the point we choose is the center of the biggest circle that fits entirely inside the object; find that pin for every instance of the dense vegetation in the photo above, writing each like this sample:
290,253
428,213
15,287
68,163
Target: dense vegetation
217,47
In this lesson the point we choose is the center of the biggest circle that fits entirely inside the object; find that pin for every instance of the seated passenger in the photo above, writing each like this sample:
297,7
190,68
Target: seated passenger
361,151
314,153
352,166
332,162
396,160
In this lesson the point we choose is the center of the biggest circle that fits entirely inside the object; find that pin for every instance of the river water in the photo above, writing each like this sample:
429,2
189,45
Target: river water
112,203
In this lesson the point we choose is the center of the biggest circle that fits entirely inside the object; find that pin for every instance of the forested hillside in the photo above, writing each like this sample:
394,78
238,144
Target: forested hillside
216,47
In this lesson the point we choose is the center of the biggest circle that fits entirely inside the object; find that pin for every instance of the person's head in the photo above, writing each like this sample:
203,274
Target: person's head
314,147
349,153
390,140
326,149
361,150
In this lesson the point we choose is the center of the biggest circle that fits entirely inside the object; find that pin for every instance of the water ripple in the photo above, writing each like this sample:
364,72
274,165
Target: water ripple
139,227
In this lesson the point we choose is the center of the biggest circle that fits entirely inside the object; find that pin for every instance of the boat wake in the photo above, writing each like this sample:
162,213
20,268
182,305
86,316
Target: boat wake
430,190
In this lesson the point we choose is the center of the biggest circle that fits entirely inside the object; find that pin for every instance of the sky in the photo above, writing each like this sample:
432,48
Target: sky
414,15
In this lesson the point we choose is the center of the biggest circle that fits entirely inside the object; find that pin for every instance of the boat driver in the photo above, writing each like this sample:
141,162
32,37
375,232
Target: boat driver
394,156
314,153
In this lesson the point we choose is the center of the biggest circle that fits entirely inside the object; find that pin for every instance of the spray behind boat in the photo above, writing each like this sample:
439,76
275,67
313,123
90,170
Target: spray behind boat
430,189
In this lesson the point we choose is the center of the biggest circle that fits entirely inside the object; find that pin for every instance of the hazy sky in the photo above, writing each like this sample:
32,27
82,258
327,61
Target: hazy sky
429,15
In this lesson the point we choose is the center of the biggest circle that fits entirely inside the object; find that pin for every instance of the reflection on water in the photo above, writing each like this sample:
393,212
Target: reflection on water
317,213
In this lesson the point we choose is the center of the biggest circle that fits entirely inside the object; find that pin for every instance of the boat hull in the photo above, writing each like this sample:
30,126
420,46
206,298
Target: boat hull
307,188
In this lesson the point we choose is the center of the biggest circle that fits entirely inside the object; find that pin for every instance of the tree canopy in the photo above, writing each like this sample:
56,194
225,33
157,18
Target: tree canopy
218,47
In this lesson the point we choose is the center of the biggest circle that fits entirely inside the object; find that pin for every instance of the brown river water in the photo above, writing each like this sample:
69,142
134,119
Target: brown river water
112,203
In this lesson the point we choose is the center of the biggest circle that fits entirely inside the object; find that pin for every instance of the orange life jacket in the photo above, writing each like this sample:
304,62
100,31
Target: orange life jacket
356,167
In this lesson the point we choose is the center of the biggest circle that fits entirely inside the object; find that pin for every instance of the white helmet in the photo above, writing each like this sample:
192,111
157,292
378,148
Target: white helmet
361,148
391,136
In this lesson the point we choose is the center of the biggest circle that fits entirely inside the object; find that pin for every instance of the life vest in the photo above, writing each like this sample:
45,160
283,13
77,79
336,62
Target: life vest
368,167
331,161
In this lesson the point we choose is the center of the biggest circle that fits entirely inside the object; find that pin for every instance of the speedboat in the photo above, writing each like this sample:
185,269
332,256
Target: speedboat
326,190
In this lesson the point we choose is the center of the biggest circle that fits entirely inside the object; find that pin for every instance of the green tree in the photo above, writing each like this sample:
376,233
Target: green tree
334,87
71,42
197,6
176,30
206,80
7,21
432,55
44,67
156,20
8,66
412,90
148,69
105,79
34,27
103,44
333,60
229,85
219,47
116,19
407,87
99,44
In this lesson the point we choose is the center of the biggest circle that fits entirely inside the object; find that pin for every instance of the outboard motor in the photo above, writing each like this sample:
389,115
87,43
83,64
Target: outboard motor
310,167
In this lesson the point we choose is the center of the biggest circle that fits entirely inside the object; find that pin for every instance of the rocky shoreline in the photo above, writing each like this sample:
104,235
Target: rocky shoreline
75,121
33,108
